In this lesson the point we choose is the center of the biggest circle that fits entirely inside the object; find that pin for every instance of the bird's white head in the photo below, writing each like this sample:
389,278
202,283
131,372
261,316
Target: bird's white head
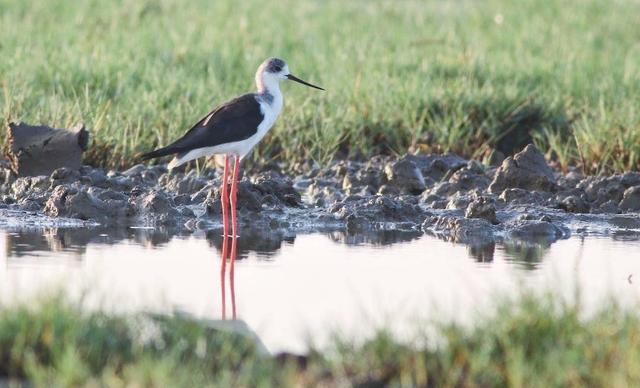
271,72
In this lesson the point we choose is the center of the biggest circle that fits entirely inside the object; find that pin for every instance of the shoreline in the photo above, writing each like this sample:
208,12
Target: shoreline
444,195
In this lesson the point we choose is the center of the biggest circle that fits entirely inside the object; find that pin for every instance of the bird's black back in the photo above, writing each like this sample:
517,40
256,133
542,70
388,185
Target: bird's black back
232,121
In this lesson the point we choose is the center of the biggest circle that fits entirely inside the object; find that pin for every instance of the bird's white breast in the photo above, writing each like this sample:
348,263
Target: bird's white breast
270,110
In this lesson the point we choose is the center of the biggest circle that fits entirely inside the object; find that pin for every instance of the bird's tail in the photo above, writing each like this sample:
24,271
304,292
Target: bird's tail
157,153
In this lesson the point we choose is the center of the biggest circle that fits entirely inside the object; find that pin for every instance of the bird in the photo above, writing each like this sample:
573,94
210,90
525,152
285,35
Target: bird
233,129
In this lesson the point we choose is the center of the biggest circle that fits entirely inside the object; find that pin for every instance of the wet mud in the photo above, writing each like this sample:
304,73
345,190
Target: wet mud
460,200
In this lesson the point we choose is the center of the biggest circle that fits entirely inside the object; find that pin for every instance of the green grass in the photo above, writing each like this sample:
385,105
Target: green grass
532,341
462,76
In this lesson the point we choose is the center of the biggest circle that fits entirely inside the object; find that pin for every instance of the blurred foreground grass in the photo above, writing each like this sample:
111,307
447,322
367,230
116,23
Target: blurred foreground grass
533,341
462,76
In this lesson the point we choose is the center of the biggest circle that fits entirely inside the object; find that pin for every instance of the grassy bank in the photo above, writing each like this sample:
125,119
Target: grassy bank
462,76
529,341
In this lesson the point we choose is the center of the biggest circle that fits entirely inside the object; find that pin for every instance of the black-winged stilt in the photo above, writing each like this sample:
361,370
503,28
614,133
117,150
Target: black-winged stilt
233,129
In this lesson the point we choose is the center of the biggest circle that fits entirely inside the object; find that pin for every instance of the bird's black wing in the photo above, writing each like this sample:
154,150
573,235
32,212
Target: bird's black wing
233,121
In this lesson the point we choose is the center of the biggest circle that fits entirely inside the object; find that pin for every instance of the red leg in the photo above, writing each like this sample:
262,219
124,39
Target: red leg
224,198
234,232
234,194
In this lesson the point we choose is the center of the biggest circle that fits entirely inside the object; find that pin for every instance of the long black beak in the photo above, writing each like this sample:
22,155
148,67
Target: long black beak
294,78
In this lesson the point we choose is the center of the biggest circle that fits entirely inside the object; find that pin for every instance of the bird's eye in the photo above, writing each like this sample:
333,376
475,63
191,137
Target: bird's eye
277,69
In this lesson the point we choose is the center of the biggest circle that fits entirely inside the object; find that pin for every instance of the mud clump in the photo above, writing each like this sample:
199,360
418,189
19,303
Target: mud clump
435,167
470,177
574,204
247,200
380,211
156,207
446,195
631,199
482,207
526,170
365,181
277,190
405,176
599,191
66,201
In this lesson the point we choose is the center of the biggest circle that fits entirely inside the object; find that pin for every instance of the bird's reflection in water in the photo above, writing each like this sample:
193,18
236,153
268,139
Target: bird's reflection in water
223,274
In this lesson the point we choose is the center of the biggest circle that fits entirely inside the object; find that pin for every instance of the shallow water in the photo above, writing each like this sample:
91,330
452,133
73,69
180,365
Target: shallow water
289,288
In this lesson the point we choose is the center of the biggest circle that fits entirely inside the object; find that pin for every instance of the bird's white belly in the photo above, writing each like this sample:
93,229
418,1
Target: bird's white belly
242,147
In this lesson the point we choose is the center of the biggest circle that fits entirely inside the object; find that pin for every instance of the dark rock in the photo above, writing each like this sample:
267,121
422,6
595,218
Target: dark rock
459,202
602,189
30,205
30,193
405,175
609,207
120,183
630,179
6,175
574,204
523,197
571,179
444,189
39,150
388,190
482,207
363,212
155,207
435,166
526,170
202,194
428,198
181,184
97,177
137,191
21,186
249,199
107,194
138,169
156,202
276,185
631,199
182,199
66,201
440,204
322,192
366,177
495,158
64,175
470,177
186,212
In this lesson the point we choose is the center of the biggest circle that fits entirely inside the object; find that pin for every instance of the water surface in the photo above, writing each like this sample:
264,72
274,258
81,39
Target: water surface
289,288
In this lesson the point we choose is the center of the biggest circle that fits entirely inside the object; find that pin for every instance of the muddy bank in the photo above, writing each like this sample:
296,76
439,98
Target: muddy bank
445,195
